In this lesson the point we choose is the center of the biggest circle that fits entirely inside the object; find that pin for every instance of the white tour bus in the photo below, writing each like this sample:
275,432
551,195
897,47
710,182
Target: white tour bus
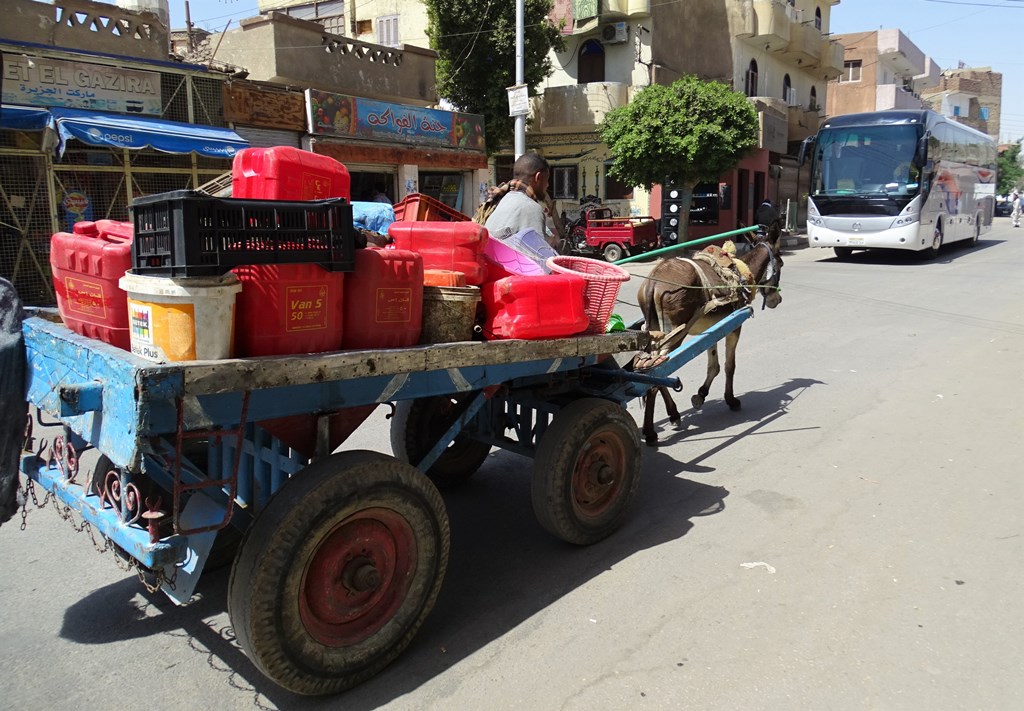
900,180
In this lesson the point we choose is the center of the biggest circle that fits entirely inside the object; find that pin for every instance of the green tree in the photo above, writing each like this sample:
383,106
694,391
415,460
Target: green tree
476,45
687,133
1010,171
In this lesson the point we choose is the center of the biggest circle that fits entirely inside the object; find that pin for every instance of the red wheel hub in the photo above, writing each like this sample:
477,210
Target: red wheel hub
358,577
597,479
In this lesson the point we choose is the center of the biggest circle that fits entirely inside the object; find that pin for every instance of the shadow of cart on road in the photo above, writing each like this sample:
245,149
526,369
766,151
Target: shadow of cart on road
503,568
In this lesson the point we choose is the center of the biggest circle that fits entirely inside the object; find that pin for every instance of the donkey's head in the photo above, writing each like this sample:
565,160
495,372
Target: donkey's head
770,245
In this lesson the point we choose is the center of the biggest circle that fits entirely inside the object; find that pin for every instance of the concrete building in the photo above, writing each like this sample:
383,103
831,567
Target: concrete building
776,52
972,96
94,114
882,69
358,95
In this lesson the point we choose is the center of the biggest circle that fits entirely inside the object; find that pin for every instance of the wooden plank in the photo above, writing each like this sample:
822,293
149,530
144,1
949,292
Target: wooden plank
234,375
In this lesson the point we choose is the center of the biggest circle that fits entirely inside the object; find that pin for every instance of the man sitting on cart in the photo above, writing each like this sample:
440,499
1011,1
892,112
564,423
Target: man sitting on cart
519,203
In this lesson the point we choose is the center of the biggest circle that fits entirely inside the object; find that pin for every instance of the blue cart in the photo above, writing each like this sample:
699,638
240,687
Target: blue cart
337,558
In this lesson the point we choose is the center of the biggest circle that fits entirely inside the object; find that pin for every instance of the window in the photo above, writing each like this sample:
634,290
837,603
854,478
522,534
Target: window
851,71
615,189
956,110
788,95
984,113
704,207
591,59
564,179
364,27
813,104
387,31
817,18
750,86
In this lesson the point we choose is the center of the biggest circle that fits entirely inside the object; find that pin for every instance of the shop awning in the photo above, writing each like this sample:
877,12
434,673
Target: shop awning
120,131
23,118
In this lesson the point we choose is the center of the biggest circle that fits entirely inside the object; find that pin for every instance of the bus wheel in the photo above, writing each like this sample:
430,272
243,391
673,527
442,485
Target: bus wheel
933,251
843,253
977,232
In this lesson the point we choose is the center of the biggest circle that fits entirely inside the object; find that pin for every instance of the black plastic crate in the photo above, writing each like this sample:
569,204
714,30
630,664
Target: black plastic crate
185,233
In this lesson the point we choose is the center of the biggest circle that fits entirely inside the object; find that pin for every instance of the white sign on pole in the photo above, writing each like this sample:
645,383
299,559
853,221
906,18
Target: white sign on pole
518,100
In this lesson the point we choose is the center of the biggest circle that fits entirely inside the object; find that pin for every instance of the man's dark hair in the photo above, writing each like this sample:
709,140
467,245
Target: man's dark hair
527,165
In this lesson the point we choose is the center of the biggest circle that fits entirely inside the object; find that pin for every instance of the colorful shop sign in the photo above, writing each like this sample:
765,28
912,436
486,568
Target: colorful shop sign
41,81
340,115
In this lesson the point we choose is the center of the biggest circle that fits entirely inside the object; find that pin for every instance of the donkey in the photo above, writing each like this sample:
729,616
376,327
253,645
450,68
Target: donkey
683,296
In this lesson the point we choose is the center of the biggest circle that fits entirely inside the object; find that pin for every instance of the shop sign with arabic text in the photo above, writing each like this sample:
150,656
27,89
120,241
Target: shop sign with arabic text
41,81
339,115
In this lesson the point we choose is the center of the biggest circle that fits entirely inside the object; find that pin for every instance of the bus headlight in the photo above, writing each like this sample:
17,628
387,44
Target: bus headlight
906,220
816,221
812,209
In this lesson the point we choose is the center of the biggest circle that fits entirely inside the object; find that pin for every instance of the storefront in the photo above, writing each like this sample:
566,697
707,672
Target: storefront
64,159
395,149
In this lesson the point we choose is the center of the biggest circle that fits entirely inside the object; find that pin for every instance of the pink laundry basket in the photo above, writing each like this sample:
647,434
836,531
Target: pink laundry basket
603,282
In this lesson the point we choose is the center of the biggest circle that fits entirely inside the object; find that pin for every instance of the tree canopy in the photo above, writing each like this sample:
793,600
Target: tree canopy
1010,171
683,134
476,45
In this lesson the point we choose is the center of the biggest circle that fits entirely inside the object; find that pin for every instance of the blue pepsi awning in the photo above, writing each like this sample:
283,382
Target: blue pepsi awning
120,131
24,118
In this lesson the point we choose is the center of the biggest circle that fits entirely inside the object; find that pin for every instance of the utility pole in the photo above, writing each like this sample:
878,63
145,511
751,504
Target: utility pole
520,135
188,29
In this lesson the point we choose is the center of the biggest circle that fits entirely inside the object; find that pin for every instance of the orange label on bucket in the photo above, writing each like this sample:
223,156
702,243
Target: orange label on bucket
85,297
305,308
394,305
315,187
162,331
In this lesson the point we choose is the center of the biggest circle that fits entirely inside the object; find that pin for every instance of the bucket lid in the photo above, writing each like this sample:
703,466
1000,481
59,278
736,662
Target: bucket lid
185,287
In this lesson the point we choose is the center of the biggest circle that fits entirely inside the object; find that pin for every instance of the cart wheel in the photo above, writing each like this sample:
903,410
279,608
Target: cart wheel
612,252
586,471
418,424
339,571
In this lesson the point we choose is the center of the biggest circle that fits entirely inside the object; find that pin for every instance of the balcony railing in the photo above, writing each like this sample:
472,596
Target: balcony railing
768,25
803,122
804,47
893,96
579,106
832,54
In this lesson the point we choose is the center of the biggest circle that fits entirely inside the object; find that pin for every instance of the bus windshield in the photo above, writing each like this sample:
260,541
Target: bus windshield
866,160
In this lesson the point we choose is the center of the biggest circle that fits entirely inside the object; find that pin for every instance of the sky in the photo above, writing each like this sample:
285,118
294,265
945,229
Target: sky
980,33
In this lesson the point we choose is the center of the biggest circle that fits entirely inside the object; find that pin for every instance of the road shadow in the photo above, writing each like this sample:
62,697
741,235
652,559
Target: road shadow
503,570
899,257
759,408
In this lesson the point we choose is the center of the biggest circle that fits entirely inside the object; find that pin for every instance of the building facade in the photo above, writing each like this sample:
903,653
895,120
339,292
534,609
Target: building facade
93,116
972,96
368,106
882,69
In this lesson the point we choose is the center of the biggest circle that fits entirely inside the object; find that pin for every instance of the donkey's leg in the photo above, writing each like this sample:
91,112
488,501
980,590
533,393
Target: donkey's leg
670,407
650,434
730,368
713,369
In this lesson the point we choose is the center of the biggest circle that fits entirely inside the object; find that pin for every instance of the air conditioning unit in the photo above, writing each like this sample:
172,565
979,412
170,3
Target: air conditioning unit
615,33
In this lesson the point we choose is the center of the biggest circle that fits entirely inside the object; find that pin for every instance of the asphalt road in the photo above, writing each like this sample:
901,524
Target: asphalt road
851,540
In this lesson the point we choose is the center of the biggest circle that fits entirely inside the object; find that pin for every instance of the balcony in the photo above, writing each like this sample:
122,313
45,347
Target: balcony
578,107
897,51
804,48
893,96
621,9
768,25
286,50
803,122
832,57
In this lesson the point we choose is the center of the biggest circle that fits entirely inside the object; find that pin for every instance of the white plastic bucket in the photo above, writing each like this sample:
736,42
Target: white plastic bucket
181,318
